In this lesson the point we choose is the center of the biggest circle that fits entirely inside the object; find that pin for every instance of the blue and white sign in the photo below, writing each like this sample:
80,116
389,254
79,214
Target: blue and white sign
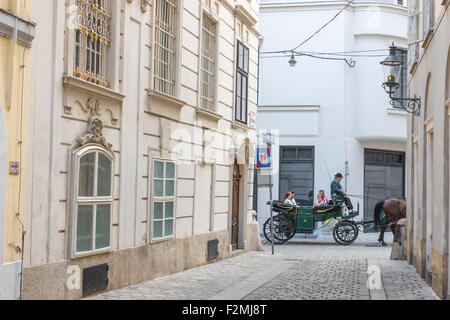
263,158
269,138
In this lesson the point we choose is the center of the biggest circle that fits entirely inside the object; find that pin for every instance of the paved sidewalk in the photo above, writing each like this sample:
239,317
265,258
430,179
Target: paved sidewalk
301,269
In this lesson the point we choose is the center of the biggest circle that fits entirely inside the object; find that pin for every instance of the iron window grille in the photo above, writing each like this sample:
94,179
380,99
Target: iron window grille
92,41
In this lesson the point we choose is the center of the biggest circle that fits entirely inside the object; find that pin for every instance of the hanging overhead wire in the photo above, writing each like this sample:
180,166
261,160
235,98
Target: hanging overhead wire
323,27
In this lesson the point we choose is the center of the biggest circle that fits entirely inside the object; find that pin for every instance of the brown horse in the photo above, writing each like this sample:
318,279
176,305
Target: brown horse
390,207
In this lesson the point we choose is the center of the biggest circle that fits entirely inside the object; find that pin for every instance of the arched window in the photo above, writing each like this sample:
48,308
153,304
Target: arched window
93,194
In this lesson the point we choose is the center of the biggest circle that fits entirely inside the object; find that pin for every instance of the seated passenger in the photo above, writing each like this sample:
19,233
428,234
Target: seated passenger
288,199
293,198
320,200
324,197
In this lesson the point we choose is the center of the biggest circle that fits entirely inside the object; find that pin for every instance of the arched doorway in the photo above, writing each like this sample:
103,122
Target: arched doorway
235,206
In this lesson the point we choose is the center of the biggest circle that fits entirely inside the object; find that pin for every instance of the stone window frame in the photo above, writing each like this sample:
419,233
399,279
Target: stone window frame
77,155
162,199
214,58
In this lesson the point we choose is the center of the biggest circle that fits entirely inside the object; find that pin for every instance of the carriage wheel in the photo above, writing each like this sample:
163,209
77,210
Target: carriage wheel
345,233
282,230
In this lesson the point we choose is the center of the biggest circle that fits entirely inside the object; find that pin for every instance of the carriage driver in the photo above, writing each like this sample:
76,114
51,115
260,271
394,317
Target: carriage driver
336,191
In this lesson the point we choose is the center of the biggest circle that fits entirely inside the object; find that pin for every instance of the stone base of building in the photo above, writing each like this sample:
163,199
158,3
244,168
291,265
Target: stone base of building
440,273
409,247
421,257
129,266
10,281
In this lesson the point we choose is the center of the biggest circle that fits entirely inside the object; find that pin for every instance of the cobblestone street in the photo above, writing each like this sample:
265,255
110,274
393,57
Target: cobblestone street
302,269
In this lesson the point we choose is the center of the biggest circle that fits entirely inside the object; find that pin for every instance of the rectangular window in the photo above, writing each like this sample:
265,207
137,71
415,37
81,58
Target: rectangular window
242,67
164,53
428,17
94,203
208,79
403,81
92,41
163,204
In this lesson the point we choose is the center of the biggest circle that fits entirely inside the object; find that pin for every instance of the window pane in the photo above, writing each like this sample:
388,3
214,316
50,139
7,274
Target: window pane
158,210
159,188
169,210
84,228
104,176
170,188
157,229
240,56
246,60
170,170
168,228
102,227
244,87
159,170
86,177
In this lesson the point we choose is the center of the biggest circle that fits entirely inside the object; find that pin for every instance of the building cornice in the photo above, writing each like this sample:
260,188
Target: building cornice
15,28
327,4
305,108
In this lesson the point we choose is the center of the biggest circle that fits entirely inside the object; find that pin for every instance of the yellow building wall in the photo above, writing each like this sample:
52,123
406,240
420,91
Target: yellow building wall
12,99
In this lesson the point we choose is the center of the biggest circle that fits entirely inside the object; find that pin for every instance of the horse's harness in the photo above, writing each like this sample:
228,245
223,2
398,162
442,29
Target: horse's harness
384,220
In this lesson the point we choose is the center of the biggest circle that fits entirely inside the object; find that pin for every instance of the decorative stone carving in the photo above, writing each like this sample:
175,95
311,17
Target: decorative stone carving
93,107
144,4
94,134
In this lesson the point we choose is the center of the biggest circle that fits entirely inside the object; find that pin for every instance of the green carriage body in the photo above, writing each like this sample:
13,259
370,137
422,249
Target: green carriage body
306,219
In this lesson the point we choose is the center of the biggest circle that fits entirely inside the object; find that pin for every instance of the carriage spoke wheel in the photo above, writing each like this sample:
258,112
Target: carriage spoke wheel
345,233
282,230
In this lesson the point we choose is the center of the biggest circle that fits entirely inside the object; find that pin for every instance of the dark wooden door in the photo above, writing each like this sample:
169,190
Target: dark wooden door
235,209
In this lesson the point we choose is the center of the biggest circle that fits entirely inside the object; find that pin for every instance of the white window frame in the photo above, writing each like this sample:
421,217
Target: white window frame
428,17
212,98
164,199
176,31
76,200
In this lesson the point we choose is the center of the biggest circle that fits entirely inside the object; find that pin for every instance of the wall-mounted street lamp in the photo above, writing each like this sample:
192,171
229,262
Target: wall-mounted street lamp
392,67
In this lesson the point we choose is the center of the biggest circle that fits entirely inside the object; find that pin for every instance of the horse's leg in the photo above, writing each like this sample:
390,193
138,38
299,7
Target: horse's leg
381,238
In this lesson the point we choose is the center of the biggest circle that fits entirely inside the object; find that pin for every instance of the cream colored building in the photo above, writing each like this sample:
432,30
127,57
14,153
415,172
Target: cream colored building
16,37
428,143
141,141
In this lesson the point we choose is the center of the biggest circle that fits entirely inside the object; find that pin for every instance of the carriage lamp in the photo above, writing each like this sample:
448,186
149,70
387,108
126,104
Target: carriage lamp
292,61
392,67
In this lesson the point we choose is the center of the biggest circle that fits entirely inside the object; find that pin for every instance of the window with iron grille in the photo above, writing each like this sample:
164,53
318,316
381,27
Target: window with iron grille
92,41
242,82
208,78
164,52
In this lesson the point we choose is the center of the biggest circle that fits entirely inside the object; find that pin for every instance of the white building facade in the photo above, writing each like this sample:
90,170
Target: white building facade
141,141
428,143
332,117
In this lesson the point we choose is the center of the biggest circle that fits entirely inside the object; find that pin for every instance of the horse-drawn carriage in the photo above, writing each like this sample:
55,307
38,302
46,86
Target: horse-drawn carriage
291,220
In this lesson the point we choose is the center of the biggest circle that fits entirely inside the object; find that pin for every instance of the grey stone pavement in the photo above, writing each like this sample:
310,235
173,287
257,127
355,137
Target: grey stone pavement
305,268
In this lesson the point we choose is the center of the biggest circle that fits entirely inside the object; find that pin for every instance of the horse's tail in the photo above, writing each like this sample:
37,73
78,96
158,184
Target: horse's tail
377,212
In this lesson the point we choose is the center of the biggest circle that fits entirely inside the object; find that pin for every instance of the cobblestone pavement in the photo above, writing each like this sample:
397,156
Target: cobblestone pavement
303,268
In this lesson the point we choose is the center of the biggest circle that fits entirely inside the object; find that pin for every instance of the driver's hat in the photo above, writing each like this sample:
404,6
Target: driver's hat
338,175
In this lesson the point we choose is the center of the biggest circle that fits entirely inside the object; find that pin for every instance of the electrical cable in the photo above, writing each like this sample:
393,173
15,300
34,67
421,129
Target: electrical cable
323,27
